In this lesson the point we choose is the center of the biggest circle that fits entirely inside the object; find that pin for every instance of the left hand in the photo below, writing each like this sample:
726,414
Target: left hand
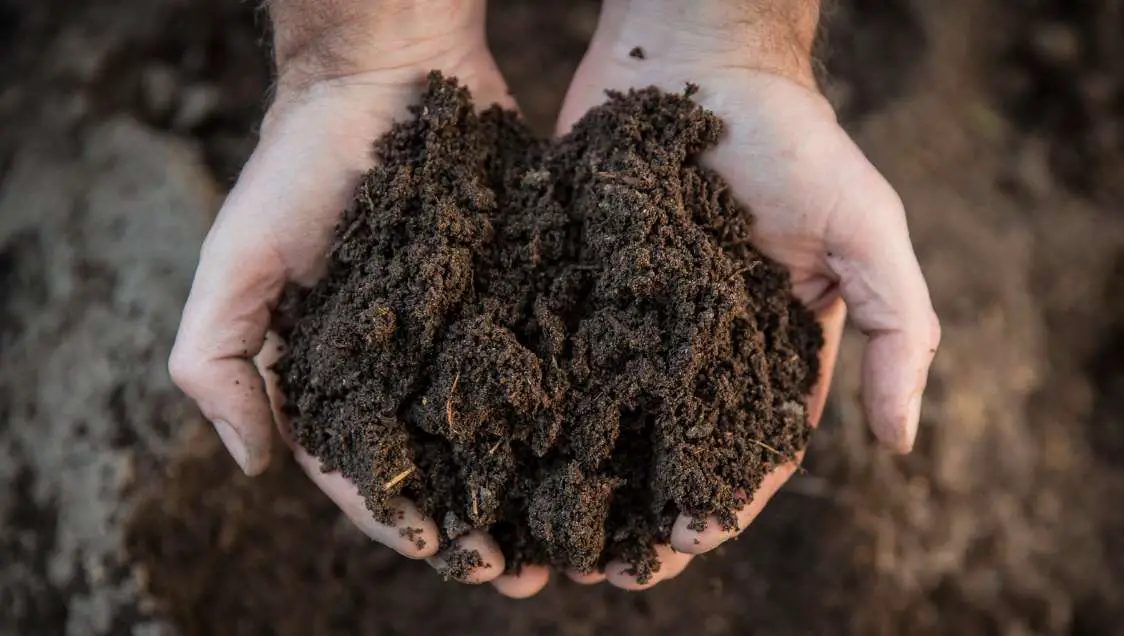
347,70
821,208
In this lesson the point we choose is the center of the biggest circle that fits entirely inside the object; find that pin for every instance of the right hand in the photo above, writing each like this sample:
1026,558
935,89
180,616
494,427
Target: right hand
820,207
343,79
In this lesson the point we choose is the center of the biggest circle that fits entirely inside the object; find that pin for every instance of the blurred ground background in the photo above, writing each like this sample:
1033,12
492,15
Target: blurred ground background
1001,124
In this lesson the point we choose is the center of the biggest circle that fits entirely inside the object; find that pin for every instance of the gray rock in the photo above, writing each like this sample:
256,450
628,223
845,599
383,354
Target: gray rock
97,249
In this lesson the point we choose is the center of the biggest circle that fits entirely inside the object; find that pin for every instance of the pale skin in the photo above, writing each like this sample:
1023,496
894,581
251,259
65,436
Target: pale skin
348,68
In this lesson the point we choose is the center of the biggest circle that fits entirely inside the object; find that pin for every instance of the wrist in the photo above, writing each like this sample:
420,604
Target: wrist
774,36
316,40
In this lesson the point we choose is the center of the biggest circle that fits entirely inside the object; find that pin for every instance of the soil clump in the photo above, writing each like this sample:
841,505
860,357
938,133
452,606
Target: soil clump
566,342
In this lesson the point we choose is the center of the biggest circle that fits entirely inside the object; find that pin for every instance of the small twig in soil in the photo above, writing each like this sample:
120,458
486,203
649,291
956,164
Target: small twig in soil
475,505
449,403
399,478
633,182
767,447
495,447
748,268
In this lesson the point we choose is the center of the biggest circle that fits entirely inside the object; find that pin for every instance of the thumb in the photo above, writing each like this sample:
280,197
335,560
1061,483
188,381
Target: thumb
273,227
869,251
239,277
223,327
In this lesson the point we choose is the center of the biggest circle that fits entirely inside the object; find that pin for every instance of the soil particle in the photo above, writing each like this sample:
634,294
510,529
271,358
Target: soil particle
454,526
413,535
637,52
458,563
567,343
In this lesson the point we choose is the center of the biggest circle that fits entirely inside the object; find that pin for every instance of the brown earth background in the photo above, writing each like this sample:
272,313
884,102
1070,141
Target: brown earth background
1000,123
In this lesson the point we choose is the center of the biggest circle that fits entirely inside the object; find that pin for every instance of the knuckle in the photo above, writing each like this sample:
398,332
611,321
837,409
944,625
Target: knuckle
185,368
890,202
894,201
934,331
925,335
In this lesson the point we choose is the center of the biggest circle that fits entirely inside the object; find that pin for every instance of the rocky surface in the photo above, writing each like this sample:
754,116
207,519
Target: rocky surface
98,240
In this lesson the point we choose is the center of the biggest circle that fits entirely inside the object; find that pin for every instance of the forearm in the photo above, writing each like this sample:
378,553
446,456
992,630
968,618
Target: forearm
322,39
774,35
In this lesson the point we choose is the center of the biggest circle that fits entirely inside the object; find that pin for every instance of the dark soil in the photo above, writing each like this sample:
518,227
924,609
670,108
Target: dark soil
869,53
569,343
201,78
1063,81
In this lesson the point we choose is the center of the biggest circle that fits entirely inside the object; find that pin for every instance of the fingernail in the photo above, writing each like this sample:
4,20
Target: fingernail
233,443
913,418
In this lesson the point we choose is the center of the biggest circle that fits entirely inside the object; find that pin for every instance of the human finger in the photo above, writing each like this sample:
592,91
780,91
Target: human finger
690,541
530,581
474,558
586,578
223,326
672,562
869,250
411,533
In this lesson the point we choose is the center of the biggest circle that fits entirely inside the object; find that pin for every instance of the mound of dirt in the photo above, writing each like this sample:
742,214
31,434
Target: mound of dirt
568,343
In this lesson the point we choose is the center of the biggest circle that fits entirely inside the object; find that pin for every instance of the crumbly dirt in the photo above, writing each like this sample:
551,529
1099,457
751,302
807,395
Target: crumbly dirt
458,563
567,342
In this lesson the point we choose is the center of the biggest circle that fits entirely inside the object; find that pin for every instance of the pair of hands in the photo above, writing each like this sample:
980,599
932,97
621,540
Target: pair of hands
822,210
